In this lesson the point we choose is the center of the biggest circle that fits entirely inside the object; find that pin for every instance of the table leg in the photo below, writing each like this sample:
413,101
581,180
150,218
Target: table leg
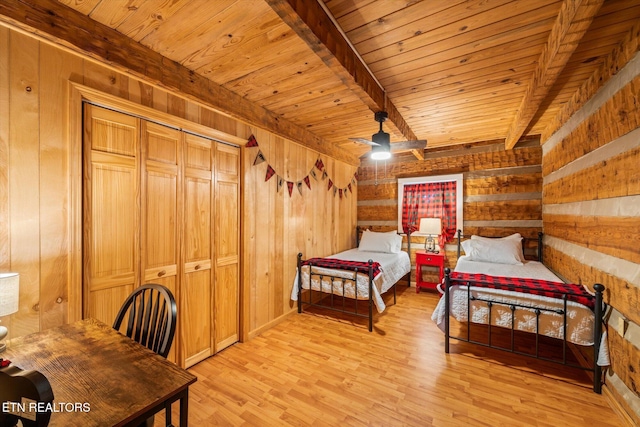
184,409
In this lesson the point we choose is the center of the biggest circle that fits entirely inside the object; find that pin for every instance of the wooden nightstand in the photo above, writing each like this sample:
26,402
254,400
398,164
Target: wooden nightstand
424,258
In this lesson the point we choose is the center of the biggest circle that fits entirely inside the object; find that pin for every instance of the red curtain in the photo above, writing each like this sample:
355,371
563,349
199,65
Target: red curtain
430,200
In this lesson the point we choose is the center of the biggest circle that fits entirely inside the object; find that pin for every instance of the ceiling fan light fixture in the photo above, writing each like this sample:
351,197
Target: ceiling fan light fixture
382,150
380,154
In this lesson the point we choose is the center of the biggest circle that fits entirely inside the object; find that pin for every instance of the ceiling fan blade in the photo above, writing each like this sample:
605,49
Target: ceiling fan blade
365,141
398,147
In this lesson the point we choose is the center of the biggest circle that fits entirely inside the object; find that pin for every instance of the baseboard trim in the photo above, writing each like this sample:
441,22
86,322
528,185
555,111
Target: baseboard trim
616,402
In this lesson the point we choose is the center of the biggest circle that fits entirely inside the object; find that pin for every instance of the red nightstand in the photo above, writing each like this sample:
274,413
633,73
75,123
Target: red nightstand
424,258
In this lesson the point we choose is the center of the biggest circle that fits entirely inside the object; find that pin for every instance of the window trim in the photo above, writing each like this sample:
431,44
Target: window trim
458,178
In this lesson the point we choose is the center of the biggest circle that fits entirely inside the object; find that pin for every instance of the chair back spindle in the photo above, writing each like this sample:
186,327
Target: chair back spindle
151,317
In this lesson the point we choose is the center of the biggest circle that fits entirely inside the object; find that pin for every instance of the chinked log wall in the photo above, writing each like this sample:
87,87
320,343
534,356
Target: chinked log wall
502,191
591,204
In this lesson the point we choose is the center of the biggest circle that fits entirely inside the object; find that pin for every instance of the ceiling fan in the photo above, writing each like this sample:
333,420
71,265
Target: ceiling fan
381,141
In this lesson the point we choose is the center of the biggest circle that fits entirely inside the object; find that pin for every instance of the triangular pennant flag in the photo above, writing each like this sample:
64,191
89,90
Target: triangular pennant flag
259,158
355,176
313,174
252,142
306,181
324,174
340,191
335,191
290,187
280,182
319,164
345,193
353,181
349,187
299,185
270,173
330,184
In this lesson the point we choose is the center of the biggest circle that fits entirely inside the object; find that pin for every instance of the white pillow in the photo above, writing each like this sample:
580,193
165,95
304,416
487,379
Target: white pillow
498,251
372,241
466,247
514,236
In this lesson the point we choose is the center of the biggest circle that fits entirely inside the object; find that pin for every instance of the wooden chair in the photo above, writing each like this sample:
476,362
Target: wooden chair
152,314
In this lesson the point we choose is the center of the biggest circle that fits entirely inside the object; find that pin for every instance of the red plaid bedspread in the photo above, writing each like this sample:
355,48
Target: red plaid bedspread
340,264
574,292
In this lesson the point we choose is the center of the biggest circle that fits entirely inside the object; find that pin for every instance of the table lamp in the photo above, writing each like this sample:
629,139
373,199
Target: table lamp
431,227
9,293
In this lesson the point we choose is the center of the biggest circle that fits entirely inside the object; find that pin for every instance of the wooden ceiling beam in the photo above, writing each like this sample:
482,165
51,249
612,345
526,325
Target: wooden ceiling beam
572,23
312,23
57,23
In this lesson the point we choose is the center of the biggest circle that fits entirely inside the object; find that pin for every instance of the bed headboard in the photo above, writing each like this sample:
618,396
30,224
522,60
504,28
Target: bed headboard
524,239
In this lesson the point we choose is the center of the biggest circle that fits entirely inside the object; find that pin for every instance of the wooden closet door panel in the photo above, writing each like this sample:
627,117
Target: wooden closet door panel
226,308
161,250
197,326
161,209
227,245
111,218
161,201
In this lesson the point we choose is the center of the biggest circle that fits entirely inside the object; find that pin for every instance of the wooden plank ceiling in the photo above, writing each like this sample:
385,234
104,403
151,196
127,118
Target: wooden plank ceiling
448,71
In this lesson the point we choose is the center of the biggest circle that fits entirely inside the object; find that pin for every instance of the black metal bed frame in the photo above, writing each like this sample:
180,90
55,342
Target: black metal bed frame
341,308
597,330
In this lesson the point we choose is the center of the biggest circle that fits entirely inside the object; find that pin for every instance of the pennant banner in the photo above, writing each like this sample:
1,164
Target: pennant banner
252,142
319,165
270,173
259,158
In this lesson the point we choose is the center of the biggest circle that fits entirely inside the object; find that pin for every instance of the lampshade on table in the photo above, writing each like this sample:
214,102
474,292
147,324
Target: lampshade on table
431,227
9,294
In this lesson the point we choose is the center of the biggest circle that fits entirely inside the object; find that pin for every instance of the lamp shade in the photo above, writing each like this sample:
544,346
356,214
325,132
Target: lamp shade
431,226
9,293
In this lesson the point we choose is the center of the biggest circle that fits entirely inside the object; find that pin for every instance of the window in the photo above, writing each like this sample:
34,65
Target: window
430,197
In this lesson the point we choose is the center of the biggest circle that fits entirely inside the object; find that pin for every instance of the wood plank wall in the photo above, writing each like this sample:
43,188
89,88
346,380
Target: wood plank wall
591,204
502,191
35,211
279,226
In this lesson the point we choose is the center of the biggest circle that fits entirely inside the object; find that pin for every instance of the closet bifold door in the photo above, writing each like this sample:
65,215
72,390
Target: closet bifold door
196,293
227,246
111,218
161,209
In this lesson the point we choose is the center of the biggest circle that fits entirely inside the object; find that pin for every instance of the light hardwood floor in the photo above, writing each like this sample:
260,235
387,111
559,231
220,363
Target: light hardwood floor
313,370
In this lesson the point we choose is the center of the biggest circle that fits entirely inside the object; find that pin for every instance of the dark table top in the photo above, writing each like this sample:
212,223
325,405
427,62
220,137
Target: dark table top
107,378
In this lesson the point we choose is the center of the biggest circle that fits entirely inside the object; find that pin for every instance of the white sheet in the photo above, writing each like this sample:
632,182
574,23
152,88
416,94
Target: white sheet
580,319
392,268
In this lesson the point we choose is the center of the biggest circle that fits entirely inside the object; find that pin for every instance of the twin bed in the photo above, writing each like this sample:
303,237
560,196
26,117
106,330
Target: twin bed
360,274
492,285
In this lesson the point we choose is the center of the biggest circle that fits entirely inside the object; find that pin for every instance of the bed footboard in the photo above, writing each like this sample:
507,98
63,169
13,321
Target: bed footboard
337,290
538,310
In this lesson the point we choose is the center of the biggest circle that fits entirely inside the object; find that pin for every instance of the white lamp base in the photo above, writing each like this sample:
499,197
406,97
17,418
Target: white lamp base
3,334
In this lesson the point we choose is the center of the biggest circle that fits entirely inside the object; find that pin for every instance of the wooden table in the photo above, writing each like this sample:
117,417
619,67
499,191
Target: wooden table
88,362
